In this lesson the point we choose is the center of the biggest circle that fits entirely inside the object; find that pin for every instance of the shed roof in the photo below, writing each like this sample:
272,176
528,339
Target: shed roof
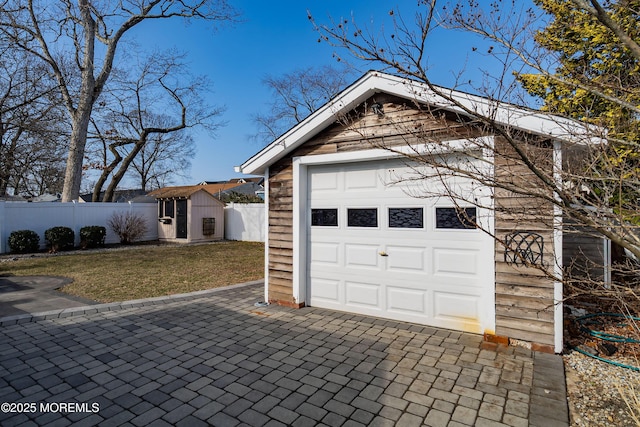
374,82
186,191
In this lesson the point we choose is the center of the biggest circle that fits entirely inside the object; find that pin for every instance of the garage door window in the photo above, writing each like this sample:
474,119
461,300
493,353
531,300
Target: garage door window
359,217
456,218
324,217
406,218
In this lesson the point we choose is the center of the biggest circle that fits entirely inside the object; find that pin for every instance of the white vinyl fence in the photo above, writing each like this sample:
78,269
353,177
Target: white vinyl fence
242,221
39,217
245,221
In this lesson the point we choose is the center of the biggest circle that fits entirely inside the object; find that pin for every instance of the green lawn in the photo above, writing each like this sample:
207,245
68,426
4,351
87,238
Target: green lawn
145,271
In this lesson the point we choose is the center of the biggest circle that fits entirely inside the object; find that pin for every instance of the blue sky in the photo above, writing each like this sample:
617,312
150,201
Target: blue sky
276,38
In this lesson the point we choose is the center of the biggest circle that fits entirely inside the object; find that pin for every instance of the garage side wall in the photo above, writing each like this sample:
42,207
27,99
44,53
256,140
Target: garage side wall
585,254
202,205
524,295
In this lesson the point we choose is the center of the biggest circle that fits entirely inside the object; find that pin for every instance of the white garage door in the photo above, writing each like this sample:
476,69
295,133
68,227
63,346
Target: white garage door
375,248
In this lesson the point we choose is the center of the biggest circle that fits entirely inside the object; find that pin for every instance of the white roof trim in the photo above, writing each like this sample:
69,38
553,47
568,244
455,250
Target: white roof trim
375,82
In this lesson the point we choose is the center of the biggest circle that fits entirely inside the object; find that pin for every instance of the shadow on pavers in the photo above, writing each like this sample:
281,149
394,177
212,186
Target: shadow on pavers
35,294
219,360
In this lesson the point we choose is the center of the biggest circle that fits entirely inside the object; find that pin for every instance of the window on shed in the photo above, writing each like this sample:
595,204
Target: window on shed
168,208
456,218
208,226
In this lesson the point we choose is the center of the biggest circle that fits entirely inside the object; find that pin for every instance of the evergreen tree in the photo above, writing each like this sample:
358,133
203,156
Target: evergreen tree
597,80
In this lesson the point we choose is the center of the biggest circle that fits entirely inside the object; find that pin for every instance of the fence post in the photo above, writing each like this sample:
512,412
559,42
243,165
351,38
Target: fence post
74,221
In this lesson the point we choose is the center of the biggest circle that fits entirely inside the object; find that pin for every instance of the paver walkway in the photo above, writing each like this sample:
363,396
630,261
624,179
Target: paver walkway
29,294
214,358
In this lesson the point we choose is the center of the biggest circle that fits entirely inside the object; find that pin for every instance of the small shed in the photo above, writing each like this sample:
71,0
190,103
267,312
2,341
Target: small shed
189,214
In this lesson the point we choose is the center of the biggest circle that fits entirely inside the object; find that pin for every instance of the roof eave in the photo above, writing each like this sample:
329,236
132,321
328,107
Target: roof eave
373,82
349,98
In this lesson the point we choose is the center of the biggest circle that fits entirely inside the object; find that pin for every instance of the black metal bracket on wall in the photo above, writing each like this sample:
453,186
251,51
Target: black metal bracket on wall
523,248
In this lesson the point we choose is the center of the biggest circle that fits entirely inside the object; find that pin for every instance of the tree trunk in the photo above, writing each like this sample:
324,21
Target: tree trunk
75,158
99,184
81,116
117,177
117,158
4,182
9,162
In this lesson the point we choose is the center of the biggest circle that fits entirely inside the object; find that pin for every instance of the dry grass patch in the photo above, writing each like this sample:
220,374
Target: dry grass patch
148,271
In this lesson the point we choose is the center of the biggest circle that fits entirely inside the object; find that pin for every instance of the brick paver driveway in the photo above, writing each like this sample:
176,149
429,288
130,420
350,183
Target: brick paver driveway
216,359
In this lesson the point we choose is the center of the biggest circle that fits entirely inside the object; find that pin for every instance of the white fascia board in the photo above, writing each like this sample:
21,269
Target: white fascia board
267,201
502,113
383,153
558,297
311,126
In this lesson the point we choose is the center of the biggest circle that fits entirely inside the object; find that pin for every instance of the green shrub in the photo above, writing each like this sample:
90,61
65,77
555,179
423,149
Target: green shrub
92,236
24,241
59,239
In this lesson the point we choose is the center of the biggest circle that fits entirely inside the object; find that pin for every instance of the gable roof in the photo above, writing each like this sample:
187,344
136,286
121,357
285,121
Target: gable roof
255,179
374,82
186,191
119,196
12,198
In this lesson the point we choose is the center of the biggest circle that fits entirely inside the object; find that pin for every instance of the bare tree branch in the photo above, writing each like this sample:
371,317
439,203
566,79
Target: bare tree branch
596,188
159,99
33,26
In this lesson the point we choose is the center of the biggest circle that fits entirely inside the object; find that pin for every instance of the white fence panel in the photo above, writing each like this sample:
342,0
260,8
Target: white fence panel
245,221
100,213
39,217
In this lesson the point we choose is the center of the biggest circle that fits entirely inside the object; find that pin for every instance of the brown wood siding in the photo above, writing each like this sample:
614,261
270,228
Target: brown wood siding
583,253
524,295
280,233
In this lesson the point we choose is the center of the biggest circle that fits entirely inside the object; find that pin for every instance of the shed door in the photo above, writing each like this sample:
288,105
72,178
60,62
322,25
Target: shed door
181,219
377,246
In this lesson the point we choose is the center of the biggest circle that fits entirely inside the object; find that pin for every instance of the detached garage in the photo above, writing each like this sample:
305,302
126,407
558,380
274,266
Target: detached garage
355,225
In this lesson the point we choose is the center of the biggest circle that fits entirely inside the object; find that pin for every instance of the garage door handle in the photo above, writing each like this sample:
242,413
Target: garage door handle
383,253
